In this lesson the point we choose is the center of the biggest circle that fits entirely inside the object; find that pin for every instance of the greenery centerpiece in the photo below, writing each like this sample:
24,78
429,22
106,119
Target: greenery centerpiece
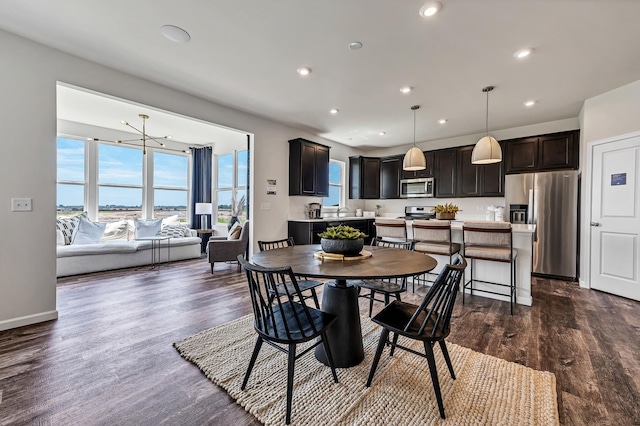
445,211
343,240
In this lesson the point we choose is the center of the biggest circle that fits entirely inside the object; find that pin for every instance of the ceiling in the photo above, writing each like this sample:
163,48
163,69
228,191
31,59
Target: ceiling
244,54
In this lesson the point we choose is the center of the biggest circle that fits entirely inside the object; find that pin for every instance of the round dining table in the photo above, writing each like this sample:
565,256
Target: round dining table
338,297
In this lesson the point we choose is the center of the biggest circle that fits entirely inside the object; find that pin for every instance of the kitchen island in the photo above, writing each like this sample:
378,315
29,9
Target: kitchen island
305,231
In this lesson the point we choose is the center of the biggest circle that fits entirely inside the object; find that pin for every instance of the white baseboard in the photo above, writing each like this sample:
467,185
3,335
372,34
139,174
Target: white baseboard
28,320
583,284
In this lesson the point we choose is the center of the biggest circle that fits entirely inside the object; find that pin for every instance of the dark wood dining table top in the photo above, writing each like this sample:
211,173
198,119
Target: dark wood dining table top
384,263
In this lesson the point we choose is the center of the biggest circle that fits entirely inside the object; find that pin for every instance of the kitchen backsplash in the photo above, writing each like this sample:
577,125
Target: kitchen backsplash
470,208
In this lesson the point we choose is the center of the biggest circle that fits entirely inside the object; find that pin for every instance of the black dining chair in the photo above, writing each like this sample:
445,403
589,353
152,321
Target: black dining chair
428,322
305,284
282,322
386,287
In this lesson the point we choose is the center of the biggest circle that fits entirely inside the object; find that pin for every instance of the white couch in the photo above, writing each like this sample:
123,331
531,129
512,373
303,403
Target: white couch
85,258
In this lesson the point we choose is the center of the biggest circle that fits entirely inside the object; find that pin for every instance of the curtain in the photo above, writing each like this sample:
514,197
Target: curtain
200,182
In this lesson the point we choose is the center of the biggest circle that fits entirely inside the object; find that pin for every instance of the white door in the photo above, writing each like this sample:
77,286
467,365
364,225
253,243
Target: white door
615,217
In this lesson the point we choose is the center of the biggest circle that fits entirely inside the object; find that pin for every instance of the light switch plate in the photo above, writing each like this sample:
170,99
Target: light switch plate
21,205
265,206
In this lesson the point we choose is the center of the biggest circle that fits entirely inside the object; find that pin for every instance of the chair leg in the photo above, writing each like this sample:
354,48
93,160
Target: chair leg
393,344
383,339
315,298
290,369
212,267
434,376
445,353
327,351
386,299
254,356
372,295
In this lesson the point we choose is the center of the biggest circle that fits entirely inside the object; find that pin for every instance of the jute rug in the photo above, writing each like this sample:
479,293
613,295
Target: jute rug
487,391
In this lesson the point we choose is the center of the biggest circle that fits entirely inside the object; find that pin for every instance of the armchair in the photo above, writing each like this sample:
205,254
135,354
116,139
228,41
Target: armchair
228,250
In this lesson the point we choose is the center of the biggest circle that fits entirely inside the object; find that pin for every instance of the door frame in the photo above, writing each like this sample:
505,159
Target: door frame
585,254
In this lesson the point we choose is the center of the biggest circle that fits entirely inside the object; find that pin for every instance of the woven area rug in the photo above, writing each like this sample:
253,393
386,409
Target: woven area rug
487,391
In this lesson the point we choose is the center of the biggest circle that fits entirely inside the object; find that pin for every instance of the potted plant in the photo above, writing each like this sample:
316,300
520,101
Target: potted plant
343,240
445,211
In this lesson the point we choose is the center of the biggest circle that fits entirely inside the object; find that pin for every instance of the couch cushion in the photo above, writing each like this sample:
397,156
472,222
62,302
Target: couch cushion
147,228
116,231
68,225
174,231
59,238
88,232
100,248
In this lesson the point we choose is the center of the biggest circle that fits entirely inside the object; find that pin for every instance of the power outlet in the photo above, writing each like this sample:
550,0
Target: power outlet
21,205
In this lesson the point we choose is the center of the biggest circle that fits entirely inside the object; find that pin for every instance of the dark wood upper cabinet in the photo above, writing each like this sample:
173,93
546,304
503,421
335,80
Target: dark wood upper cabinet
364,177
486,180
556,151
308,168
522,155
468,178
445,172
390,175
428,172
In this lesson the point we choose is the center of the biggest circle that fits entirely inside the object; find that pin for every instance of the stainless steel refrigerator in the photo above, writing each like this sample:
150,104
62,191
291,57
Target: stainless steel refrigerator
550,201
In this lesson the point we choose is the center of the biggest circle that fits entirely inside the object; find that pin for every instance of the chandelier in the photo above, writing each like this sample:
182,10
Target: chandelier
144,136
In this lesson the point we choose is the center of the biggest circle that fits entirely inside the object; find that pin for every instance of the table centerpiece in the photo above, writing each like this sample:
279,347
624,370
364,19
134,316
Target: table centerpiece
342,239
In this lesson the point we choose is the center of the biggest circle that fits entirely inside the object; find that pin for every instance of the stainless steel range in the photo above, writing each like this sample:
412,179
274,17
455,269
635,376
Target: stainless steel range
418,212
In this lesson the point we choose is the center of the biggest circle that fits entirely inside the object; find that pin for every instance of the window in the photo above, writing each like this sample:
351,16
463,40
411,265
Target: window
106,181
119,182
70,177
170,185
232,185
336,185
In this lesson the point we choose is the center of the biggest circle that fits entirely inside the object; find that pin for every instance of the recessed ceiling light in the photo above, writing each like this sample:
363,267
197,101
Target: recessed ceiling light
522,53
406,89
442,121
382,133
175,34
529,103
334,110
430,8
356,45
304,71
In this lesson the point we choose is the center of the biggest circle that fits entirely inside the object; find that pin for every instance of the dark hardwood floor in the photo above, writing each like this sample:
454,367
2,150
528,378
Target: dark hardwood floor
109,358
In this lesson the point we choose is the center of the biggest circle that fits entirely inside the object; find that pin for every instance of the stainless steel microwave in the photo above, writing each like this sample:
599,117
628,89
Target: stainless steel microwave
417,188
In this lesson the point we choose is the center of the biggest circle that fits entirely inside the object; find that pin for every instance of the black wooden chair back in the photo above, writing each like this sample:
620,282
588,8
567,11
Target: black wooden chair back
276,244
404,245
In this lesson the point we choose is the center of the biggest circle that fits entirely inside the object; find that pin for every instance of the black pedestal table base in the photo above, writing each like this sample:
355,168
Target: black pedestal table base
345,335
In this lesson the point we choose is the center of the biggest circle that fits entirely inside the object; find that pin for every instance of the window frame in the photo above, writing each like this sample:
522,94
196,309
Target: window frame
340,186
234,188
84,182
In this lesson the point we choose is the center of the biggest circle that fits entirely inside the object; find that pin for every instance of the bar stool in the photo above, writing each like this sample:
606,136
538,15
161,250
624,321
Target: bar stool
389,229
433,237
490,241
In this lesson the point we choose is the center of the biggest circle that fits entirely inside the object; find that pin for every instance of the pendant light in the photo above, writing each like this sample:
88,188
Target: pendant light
414,158
487,149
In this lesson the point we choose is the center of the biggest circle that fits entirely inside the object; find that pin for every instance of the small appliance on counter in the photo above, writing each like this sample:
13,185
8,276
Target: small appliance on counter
314,211
418,212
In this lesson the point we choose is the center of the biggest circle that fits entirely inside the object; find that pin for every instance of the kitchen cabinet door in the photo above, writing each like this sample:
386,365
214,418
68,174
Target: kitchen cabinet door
364,178
468,178
428,172
522,155
308,168
558,151
492,183
390,174
445,172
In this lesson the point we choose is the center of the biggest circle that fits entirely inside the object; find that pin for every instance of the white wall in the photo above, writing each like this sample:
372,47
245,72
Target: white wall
610,114
28,80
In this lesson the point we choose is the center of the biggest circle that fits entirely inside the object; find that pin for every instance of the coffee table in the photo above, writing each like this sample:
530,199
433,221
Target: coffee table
340,298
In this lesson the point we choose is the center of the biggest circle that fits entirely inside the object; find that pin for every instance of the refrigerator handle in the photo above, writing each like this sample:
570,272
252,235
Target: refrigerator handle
533,213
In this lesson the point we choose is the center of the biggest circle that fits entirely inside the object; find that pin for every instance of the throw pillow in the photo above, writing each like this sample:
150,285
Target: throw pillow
171,220
68,225
234,232
147,228
88,232
115,231
59,238
174,231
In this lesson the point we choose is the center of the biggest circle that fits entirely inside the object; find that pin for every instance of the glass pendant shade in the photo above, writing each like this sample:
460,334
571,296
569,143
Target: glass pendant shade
414,160
486,151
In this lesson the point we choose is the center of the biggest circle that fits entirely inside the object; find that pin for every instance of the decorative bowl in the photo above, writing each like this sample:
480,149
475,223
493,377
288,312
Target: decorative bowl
344,247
